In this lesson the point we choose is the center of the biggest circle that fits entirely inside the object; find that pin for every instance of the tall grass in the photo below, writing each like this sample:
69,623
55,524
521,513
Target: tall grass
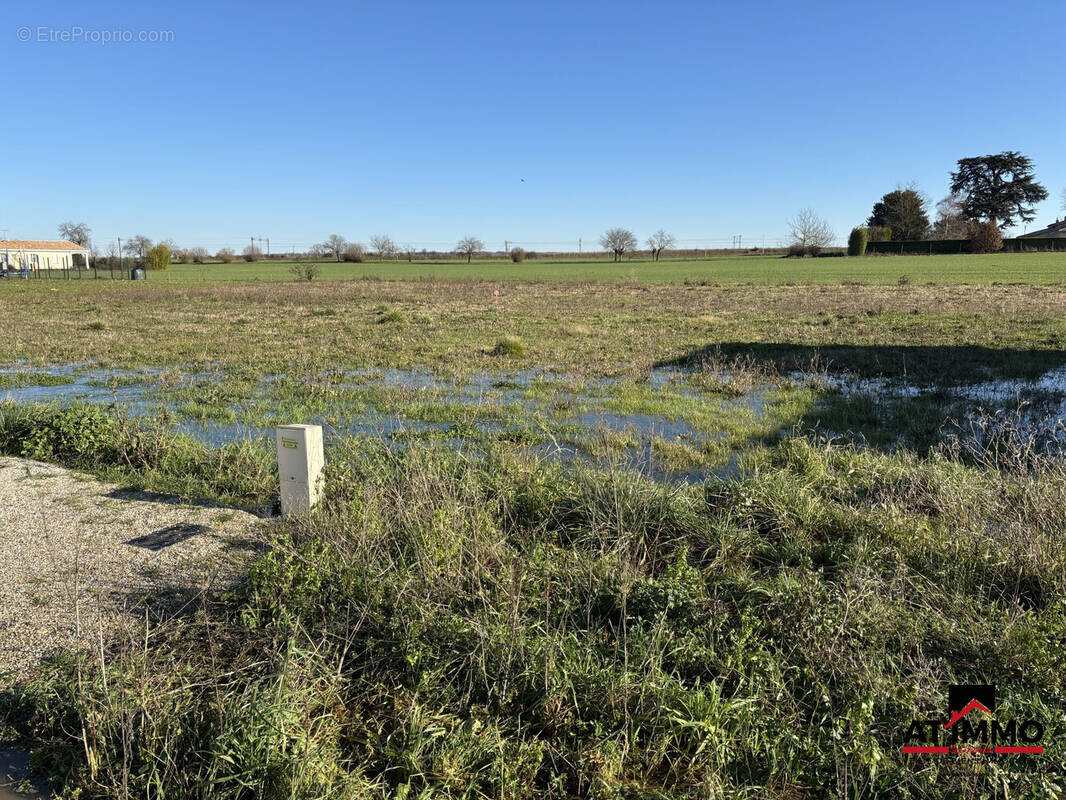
497,626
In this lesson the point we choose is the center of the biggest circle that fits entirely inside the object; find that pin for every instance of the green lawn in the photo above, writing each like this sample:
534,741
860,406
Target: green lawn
1032,268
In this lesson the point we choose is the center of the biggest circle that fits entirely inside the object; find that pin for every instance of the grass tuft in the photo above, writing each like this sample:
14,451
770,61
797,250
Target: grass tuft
509,346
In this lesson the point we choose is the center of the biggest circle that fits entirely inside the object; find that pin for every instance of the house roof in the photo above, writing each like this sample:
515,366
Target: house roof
1054,231
37,244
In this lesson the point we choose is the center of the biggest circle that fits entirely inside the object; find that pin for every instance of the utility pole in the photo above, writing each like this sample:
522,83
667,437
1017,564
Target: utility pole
579,245
119,260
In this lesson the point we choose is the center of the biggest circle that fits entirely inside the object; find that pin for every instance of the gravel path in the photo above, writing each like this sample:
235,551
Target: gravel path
81,559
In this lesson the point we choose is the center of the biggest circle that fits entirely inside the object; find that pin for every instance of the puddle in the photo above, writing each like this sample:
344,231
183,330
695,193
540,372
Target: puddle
1033,410
16,782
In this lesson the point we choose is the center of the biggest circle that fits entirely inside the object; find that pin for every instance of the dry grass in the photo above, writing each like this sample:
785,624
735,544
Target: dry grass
266,326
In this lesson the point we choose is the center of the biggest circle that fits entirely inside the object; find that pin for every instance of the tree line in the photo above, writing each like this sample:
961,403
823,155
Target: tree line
986,192
143,251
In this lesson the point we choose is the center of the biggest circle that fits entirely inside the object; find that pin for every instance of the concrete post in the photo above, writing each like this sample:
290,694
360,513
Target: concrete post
300,462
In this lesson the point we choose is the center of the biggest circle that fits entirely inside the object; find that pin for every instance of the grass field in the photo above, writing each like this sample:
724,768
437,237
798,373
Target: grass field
469,615
1034,268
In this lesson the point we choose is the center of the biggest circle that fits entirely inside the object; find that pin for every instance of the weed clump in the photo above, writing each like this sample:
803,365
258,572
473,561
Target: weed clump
392,317
577,330
509,346
139,452
305,271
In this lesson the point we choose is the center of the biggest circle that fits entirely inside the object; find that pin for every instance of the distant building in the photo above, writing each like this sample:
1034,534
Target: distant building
1054,231
32,255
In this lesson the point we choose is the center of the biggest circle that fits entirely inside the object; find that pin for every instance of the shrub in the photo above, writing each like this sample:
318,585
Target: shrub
252,253
304,271
226,255
183,256
198,254
509,346
158,258
857,242
518,255
986,238
354,252
796,250
78,435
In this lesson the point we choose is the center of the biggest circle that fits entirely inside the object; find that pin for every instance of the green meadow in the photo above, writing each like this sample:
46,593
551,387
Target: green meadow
1035,268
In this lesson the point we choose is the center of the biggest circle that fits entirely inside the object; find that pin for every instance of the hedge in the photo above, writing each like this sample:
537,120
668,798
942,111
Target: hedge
942,246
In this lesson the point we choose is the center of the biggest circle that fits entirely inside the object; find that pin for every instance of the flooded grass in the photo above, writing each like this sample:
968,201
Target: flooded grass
673,423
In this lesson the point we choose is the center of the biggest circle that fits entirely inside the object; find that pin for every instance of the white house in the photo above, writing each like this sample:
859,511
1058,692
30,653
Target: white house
32,255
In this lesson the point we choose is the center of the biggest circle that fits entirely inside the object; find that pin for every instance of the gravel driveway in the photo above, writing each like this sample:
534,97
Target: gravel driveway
81,559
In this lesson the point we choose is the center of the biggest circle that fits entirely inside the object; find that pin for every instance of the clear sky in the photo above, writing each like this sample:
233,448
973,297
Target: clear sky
535,122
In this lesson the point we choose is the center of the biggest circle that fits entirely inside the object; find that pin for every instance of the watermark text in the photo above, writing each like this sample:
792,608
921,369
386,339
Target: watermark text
76,34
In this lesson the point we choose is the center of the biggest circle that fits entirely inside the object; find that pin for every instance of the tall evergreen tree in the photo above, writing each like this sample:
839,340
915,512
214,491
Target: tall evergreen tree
904,212
998,188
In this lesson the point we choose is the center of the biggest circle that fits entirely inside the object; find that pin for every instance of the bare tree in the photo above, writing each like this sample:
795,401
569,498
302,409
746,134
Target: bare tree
659,241
468,246
199,254
112,254
251,253
383,245
335,246
618,241
950,222
77,232
810,231
137,246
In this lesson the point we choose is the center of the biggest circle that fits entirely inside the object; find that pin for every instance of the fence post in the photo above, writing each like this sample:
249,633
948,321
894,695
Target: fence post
300,462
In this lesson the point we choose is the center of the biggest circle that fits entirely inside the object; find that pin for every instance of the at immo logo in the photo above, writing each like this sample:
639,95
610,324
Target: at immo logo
973,727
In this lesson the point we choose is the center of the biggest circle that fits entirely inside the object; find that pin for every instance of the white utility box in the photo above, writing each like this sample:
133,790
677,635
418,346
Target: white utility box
300,462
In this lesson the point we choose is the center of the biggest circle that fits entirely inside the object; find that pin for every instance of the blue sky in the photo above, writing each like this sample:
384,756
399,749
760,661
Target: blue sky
421,119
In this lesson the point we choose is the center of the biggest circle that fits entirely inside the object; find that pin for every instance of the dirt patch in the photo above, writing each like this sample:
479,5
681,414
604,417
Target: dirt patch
82,560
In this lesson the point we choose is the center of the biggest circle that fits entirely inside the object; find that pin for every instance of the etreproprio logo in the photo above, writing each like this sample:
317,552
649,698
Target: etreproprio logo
973,728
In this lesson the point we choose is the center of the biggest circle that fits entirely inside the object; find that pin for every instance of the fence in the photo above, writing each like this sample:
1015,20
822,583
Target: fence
75,273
